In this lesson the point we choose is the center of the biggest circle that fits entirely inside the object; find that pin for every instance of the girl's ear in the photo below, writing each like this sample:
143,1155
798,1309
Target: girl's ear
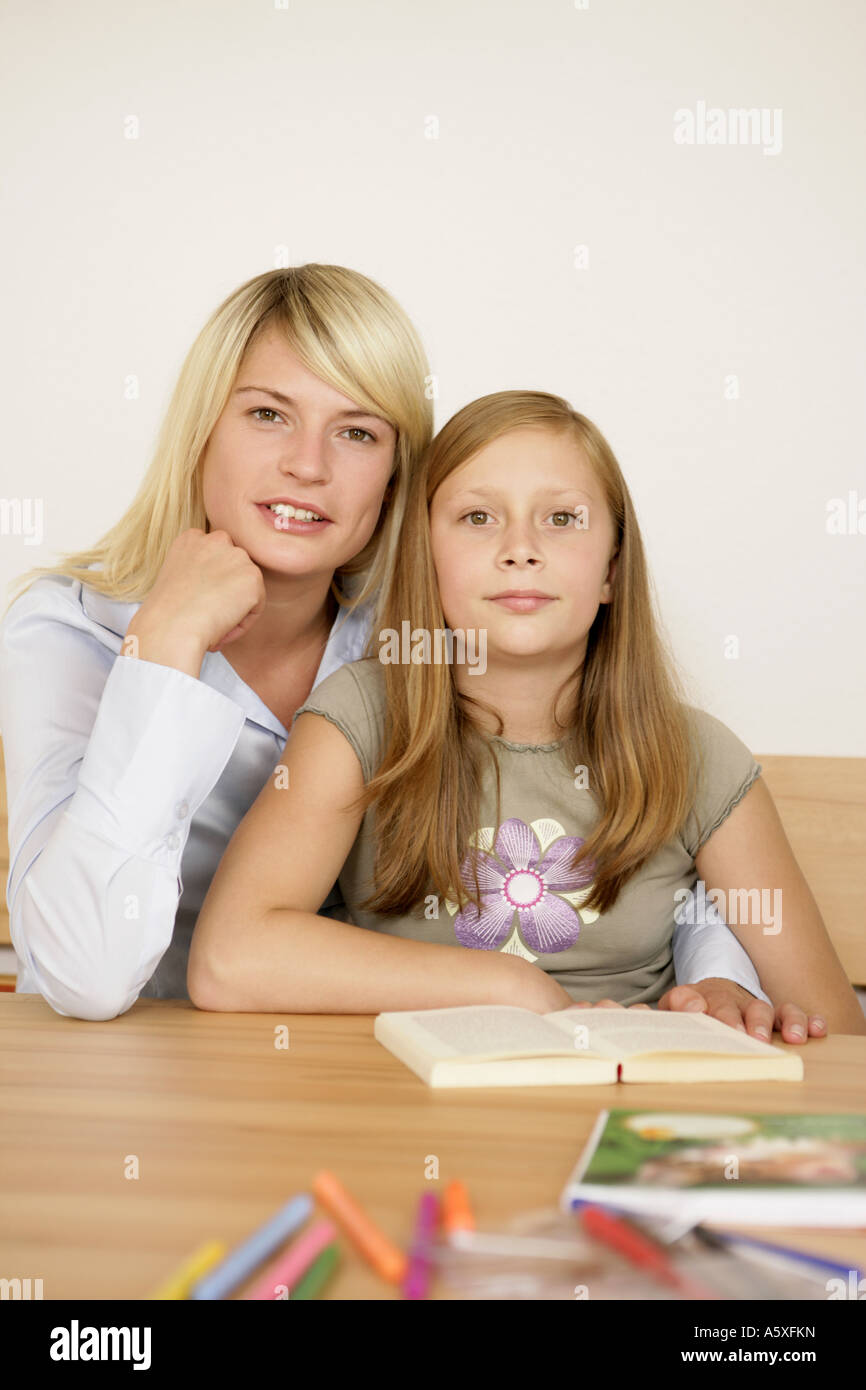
607,586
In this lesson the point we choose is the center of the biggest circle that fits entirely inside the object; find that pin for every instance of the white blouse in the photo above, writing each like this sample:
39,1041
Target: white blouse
126,780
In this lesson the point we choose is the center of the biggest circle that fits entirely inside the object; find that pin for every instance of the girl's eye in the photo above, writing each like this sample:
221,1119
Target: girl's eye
570,516
265,410
356,430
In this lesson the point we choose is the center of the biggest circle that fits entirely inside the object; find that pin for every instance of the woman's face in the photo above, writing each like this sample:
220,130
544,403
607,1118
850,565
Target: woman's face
505,520
287,436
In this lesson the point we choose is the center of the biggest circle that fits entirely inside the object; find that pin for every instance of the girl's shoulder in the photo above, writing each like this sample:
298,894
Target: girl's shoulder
353,698
712,739
725,770
354,680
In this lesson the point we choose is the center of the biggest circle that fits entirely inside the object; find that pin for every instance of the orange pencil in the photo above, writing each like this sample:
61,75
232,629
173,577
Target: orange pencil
456,1210
387,1260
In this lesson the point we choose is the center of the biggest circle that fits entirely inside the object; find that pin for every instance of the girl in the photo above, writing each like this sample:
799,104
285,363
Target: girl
147,685
549,807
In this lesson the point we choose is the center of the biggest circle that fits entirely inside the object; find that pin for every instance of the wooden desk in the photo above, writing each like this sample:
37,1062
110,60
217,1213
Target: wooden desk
226,1128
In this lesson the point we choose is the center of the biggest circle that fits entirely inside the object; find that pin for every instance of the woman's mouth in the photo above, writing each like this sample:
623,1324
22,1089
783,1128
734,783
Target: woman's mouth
282,516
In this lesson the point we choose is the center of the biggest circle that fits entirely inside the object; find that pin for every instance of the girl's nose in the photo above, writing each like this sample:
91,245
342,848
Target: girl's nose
519,546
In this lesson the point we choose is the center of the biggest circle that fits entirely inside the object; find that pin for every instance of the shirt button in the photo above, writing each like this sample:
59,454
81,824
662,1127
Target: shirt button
172,841
181,809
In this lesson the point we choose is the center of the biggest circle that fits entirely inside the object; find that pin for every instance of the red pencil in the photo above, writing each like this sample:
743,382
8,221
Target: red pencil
619,1234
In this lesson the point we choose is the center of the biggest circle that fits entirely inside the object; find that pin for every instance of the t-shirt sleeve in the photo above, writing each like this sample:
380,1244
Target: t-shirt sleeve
353,698
726,770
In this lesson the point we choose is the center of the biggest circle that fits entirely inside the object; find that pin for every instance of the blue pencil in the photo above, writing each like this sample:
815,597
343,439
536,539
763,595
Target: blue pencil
240,1263
783,1252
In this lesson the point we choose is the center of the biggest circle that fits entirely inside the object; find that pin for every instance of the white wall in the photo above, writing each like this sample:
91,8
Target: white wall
308,126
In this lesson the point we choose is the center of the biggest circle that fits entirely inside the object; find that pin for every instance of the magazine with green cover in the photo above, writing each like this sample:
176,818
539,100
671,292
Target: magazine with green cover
760,1169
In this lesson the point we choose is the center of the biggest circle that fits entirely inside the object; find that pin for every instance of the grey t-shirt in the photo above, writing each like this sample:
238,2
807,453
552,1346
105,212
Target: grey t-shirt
531,900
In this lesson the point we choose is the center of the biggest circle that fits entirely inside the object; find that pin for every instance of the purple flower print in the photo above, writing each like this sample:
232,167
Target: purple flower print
527,871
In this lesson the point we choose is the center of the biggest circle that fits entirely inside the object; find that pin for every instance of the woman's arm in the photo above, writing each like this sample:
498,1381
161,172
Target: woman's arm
710,950
259,944
789,945
107,760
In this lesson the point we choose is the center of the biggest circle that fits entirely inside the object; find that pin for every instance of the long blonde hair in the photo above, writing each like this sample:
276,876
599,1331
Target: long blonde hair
628,723
347,330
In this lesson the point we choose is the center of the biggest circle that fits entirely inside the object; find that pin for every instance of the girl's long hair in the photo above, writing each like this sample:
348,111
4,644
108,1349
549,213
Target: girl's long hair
347,330
628,722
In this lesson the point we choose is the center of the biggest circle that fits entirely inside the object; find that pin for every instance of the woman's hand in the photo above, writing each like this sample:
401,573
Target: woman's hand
734,1005
207,593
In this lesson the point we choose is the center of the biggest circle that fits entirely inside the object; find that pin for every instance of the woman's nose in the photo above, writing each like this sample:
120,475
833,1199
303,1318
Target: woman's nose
305,454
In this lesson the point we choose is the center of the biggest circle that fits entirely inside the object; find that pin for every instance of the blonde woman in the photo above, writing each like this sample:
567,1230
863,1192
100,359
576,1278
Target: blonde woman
147,685
443,791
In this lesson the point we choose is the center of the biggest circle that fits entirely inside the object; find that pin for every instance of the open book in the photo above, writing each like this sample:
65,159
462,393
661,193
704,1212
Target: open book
496,1045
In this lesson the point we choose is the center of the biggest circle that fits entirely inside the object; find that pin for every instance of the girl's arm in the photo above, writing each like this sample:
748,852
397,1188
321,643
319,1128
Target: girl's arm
259,944
750,860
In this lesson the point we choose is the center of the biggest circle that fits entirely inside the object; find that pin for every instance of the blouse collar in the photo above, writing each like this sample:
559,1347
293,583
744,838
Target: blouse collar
347,640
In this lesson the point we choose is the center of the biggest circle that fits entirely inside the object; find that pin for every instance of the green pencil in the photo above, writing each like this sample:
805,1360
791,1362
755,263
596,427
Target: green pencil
318,1274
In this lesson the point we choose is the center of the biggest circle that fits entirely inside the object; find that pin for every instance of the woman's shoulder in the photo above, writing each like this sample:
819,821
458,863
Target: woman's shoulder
59,598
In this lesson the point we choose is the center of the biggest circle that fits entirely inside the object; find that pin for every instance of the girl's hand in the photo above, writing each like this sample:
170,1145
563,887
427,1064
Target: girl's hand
605,1004
734,1005
208,593
529,987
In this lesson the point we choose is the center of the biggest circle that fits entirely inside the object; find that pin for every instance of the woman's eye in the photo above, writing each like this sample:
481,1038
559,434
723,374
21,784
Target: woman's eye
265,410
471,514
356,430
570,516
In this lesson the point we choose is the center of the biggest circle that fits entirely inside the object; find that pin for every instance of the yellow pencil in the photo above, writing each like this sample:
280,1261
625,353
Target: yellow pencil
180,1283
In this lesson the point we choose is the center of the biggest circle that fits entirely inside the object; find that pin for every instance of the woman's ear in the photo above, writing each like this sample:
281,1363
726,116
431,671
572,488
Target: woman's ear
388,495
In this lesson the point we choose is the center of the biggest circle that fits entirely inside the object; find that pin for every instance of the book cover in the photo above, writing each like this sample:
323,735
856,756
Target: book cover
763,1168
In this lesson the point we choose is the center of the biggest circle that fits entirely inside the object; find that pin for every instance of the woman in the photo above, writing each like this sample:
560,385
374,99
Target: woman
127,777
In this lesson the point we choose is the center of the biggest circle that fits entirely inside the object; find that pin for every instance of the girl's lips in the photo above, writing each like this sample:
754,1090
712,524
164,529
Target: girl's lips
289,523
522,605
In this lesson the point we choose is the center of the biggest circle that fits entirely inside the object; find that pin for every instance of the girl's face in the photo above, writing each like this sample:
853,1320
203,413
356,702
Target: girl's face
287,436
505,520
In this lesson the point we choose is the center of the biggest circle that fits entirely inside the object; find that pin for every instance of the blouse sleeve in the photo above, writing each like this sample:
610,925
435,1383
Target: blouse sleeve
108,758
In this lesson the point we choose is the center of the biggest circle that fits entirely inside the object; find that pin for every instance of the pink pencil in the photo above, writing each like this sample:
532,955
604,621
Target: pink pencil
287,1270
417,1278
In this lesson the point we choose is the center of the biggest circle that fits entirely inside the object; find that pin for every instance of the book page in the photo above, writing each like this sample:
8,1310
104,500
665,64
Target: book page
626,1033
486,1030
